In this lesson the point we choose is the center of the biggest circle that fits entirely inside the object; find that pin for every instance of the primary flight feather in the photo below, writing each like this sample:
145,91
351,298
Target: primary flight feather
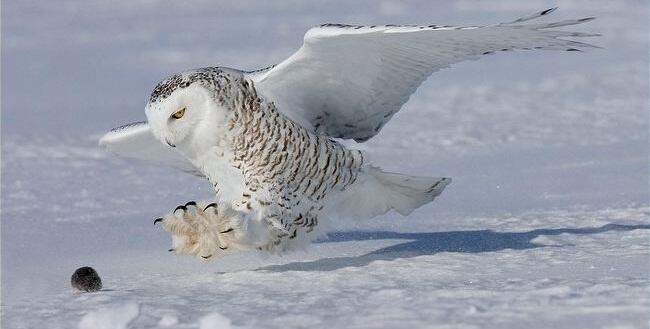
264,138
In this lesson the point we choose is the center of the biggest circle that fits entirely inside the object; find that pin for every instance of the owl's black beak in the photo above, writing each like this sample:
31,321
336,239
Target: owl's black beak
170,144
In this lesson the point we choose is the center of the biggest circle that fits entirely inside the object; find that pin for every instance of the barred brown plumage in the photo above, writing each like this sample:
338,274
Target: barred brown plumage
286,158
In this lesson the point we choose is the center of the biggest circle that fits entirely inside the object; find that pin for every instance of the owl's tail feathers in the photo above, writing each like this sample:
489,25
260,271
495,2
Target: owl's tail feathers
376,192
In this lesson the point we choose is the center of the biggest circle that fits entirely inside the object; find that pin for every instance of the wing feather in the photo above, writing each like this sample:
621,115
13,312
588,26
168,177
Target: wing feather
136,141
347,81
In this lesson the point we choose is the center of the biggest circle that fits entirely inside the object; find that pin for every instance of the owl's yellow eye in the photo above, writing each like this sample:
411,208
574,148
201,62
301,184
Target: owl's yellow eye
179,114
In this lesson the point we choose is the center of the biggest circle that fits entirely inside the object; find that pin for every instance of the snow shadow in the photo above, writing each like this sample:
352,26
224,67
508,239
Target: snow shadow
420,244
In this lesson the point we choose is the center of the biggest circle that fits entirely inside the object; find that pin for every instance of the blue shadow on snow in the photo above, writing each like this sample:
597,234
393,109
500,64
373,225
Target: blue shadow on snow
421,244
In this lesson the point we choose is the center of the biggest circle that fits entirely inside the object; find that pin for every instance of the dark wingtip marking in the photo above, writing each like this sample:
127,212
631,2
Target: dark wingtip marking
548,11
170,250
227,231
444,180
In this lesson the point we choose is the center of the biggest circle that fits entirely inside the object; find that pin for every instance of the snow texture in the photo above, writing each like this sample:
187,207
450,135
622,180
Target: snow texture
545,226
214,321
116,317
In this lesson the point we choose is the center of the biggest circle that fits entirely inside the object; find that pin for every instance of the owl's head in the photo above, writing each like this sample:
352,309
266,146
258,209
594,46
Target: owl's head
188,108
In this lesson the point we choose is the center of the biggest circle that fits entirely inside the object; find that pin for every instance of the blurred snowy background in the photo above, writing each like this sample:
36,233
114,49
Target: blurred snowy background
546,222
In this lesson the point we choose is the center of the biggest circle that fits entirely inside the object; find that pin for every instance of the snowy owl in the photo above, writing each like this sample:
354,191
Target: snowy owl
266,139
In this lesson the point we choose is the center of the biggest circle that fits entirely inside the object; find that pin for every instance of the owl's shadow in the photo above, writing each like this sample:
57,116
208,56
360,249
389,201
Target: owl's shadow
420,244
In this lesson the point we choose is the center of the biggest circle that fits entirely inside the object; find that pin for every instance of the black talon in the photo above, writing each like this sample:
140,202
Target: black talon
210,205
180,207
170,250
206,257
157,220
191,203
228,230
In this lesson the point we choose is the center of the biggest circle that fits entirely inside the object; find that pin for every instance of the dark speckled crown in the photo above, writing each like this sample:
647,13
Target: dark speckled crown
215,78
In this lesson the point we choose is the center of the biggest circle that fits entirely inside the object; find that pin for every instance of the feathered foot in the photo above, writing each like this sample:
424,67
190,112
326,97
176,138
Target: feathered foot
205,230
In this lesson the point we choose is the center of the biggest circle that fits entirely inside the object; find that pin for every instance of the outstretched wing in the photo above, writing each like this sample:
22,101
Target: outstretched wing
347,81
135,140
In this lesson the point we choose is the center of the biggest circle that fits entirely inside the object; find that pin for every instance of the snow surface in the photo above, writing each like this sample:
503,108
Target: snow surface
544,226
117,317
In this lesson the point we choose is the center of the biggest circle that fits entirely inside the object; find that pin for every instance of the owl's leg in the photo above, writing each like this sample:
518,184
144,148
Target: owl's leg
209,230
